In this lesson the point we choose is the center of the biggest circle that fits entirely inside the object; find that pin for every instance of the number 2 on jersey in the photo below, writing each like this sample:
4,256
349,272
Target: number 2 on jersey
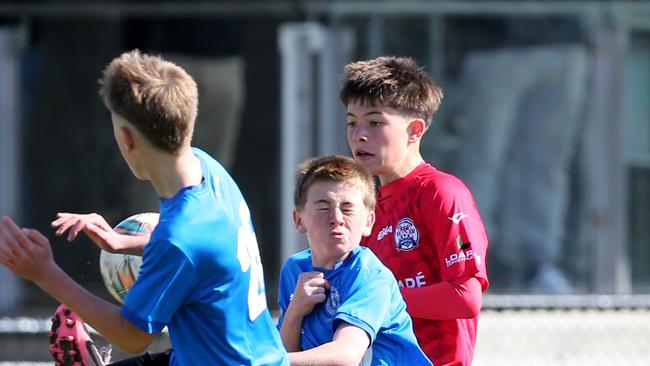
249,258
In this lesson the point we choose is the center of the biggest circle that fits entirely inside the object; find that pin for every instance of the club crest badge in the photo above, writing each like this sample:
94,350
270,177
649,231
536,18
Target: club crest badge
333,301
407,236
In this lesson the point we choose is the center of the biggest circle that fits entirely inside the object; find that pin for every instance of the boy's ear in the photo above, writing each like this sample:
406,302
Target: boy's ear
126,138
416,129
370,221
298,222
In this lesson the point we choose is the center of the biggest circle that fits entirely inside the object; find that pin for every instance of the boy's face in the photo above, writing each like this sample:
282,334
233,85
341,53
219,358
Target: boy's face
379,138
334,219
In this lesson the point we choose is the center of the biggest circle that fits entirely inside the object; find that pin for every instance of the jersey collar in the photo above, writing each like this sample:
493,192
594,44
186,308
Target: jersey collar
397,185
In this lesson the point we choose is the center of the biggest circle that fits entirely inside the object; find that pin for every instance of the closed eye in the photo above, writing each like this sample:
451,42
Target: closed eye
347,208
322,205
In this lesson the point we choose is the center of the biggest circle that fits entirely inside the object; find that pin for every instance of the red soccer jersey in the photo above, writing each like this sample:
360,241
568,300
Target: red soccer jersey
428,230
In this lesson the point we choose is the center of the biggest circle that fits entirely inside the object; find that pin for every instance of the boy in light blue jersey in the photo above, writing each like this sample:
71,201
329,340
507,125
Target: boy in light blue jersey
201,274
340,305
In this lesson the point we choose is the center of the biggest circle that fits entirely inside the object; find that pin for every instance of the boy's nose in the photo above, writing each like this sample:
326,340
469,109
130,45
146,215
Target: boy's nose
359,134
336,217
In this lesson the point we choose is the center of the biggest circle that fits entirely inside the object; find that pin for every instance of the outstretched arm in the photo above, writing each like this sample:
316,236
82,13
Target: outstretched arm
100,232
445,300
347,348
27,253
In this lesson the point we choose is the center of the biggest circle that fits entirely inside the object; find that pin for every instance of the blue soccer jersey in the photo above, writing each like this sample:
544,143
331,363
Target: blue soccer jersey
363,293
201,276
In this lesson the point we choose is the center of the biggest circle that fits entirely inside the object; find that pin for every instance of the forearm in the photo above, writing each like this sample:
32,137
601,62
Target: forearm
331,353
290,331
101,315
347,347
444,300
133,244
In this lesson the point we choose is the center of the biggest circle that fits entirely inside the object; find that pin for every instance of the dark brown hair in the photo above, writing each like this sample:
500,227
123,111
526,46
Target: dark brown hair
395,82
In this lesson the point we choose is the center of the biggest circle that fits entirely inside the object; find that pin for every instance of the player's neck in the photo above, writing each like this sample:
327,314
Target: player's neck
170,173
410,162
327,262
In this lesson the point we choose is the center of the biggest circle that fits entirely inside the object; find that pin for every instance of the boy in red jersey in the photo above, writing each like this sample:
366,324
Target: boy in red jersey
427,230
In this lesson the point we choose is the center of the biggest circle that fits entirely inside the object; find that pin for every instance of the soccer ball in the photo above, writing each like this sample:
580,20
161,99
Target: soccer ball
119,271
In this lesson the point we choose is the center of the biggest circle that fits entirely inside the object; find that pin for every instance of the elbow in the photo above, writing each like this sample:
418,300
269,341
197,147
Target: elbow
472,298
467,311
471,306
348,357
341,358
134,348
136,342
472,309
345,361
131,351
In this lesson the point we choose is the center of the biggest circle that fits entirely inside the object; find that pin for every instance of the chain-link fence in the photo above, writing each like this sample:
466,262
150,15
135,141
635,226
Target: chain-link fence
513,330
564,331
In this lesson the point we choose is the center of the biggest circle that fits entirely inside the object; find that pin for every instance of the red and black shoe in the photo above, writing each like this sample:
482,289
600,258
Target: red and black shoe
70,344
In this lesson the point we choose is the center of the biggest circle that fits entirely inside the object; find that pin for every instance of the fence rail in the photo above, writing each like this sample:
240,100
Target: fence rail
549,302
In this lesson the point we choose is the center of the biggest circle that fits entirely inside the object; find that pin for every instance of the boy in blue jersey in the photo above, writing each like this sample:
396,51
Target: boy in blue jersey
340,305
201,274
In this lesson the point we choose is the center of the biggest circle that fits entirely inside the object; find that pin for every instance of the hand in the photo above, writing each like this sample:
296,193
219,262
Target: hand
26,252
75,223
93,225
310,290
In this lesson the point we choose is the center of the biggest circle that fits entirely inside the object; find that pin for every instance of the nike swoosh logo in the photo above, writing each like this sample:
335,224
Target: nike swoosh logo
457,217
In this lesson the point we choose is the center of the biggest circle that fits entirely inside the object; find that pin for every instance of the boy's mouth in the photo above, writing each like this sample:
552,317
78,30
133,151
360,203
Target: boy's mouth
361,154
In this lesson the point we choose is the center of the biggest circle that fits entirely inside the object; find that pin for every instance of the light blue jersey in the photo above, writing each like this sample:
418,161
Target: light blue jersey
363,293
201,276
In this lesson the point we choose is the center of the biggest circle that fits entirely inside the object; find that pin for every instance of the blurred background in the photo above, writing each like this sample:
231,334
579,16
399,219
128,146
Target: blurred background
546,117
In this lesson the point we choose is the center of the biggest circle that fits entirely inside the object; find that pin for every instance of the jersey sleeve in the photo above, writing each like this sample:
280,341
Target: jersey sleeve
365,302
166,278
286,288
457,230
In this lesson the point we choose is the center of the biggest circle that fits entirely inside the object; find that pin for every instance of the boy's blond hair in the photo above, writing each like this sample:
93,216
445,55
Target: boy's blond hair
158,97
333,168
395,82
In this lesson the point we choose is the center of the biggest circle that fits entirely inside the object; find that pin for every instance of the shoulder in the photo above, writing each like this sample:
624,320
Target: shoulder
162,238
213,170
365,284
369,265
170,255
300,256
435,179
366,257
297,260
205,157
441,186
